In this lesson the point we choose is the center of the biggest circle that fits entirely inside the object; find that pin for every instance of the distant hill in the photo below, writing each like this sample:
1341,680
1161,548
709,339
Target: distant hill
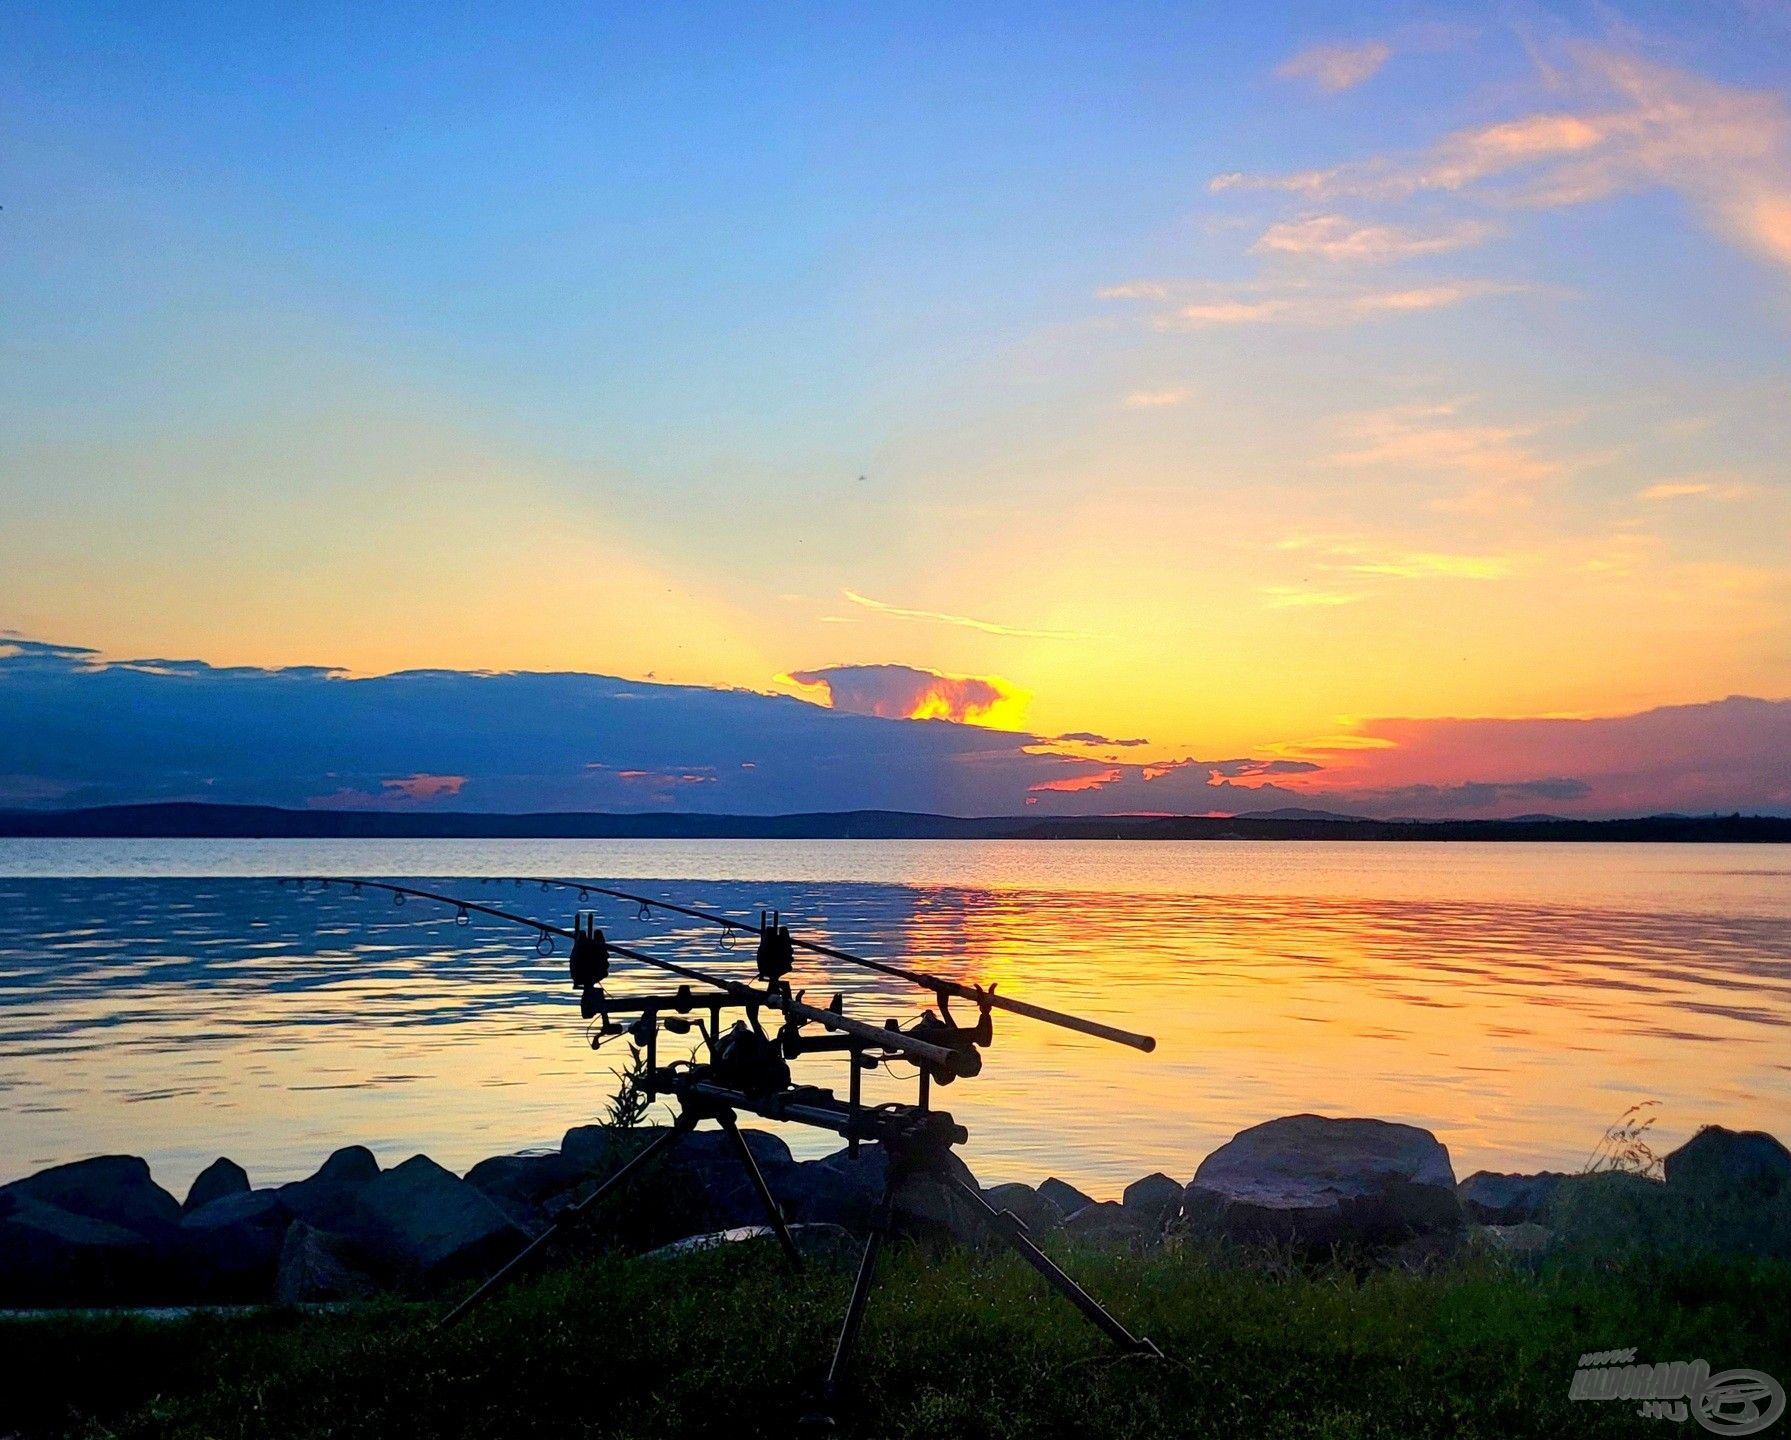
243,822
1297,812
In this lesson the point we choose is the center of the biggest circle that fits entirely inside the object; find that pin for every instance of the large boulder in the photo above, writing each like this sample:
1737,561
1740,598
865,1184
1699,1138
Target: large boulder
1156,1199
839,1190
1110,1224
114,1188
326,1200
1718,1162
711,1165
1312,1180
430,1227
708,1162
220,1178
1494,1197
1065,1196
589,1147
52,1256
599,1149
317,1267
530,1189
1031,1209
232,1246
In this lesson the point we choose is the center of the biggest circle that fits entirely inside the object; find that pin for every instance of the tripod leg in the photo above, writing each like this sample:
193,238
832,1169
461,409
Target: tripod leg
566,1219
861,1293
766,1198
1014,1233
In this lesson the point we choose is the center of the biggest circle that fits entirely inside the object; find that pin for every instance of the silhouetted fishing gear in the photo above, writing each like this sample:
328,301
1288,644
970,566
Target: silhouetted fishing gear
747,1070
941,1060
943,988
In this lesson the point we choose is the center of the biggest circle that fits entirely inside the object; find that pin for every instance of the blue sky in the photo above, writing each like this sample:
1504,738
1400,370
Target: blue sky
560,338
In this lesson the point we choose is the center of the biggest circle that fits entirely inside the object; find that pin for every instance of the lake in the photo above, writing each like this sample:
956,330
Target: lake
168,999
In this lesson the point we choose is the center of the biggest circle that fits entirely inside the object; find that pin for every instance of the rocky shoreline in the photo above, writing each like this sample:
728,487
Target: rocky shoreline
101,1232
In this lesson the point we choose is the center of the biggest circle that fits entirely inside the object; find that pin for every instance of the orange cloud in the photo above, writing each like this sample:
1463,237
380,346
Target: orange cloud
1075,784
903,692
423,787
1720,755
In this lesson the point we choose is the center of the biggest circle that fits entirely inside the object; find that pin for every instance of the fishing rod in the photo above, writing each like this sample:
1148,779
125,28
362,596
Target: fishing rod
938,984
746,1070
887,1036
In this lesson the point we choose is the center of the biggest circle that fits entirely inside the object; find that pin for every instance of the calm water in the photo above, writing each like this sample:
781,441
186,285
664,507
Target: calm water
161,998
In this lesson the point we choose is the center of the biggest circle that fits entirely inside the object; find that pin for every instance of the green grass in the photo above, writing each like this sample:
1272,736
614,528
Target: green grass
965,1345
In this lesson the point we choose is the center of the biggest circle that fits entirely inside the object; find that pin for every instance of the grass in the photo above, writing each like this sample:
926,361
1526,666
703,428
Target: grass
960,1345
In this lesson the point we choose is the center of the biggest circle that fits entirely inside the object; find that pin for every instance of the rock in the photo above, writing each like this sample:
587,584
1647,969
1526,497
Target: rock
708,1161
597,1149
430,1226
589,1147
315,1266
1065,1196
530,1189
326,1201
1031,1209
220,1178
1496,1198
232,1245
1109,1223
1319,1181
1156,1199
1721,1162
114,1188
841,1191
52,1256
818,1242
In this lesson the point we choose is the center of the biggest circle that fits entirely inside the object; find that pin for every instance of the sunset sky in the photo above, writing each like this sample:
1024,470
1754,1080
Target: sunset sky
1380,408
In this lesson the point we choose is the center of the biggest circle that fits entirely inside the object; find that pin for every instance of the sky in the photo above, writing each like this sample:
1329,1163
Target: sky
1076,408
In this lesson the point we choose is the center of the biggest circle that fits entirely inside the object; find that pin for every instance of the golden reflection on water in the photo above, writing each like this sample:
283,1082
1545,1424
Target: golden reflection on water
180,1019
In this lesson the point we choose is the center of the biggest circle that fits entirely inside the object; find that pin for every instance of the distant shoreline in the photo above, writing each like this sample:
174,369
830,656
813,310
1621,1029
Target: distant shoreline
255,822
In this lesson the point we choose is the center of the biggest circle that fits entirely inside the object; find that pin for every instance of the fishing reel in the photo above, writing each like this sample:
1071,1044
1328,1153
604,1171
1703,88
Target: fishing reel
748,1060
962,1040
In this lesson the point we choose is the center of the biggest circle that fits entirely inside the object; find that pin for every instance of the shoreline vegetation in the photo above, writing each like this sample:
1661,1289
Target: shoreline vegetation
256,822
727,1344
1317,1276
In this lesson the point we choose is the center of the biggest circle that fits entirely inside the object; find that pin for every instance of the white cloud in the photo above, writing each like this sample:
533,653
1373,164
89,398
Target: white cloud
1701,489
1299,597
1156,399
1335,237
967,622
1264,303
1336,67
1499,462
1629,124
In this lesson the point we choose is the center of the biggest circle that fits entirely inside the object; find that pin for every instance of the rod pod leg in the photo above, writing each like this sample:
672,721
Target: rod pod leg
822,1421
1010,1230
566,1220
766,1198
